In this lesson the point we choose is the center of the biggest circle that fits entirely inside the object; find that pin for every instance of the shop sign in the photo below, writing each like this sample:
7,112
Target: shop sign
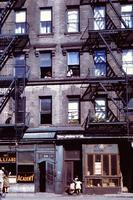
25,178
98,168
70,136
4,159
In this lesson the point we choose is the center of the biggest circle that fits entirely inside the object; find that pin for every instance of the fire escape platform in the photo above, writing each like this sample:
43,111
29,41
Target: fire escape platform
91,38
19,40
12,131
107,128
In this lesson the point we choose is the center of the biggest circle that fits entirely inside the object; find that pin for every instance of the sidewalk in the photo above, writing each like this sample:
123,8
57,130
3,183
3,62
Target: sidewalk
51,196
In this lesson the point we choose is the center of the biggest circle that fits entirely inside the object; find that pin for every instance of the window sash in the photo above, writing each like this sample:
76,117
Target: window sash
127,15
45,60
127,61
100,63
73,58
99,18
73,111
100,108
46,21
20,17
73,20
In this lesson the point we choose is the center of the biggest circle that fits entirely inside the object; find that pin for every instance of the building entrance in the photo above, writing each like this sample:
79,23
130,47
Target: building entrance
42,182
46,182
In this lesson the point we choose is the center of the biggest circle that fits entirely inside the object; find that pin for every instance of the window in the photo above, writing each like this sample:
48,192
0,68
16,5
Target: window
45,21
127,61
127,15
20,65
46,110
100,63
73,111
73,63
45,64
100,109
99,18
73,20
20,20
105,167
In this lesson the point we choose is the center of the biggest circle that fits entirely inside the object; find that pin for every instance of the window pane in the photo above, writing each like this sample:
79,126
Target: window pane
73,58
105,164
73,112
46,105
45,15
73,20
100,108
20,16
127,15
90,165
113,165
100,63
99,18
45,59
20,65
127,61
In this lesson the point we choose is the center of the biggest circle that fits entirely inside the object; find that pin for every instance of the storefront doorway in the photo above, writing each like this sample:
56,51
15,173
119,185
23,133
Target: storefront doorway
42,181
72,166
46,181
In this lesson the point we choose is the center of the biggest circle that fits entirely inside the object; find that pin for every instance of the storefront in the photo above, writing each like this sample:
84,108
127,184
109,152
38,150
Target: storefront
101,172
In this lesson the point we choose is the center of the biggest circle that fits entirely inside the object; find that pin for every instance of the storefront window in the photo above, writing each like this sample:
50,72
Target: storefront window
102,170
25,174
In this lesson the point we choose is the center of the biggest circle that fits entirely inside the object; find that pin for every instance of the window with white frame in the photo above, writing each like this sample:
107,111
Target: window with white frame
20,65
99,18
73,111
20,22
73,20
45,64
73,63
100,109
127,61
100,62
46,21
127,15
46,110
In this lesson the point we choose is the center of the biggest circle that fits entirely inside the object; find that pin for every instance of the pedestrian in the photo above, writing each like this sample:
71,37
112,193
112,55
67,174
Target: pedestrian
1,179
71,188
6,184
78,184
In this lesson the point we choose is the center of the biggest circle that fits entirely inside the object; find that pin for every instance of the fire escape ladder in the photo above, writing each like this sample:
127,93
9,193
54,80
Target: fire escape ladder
117,14
119,93
110,71
109,23
90,93
7,95
111,115
111,53
110,96
6,52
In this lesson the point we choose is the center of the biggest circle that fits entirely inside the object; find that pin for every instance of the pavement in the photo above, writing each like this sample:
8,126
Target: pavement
51,196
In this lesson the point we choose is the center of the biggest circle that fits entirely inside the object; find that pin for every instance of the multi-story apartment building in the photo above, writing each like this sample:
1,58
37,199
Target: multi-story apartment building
66,79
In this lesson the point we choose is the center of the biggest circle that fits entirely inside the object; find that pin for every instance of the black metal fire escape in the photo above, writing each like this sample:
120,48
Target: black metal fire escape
112,38
14,84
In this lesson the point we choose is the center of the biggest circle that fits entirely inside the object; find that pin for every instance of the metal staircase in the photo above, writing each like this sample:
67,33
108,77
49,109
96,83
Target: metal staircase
9,44
112,38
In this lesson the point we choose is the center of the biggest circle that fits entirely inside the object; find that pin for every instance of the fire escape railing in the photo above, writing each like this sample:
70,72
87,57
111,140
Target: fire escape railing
93,39
9,43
